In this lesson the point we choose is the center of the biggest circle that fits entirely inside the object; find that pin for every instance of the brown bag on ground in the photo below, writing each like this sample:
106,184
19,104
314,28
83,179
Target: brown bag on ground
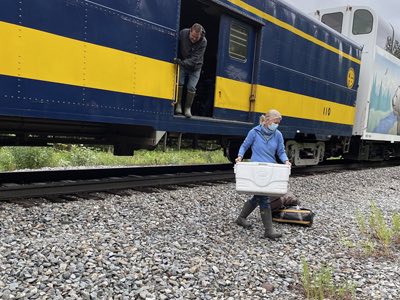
289,199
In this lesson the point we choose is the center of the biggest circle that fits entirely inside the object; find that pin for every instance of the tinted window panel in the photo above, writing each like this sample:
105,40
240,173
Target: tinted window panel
238,42
333,20
363,22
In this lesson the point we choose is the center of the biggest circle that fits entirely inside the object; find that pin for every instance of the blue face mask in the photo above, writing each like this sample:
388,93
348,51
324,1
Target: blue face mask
273,126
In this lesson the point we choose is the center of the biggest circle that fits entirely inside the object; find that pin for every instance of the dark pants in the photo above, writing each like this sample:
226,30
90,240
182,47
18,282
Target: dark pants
263,201
192,77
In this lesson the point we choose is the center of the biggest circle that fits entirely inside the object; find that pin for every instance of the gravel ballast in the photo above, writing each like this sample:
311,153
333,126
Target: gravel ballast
184,244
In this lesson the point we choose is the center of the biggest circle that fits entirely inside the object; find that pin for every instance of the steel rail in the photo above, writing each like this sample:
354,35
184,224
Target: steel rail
25,184
24,177
31,184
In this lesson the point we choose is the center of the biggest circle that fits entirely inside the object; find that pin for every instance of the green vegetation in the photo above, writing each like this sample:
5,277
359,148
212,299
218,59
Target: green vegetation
15,158
379,237
319,285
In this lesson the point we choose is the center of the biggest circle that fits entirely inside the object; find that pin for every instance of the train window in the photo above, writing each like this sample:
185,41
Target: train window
238,41
333,20
363,22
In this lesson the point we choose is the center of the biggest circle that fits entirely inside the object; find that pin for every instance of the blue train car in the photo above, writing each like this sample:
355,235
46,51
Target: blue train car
100,72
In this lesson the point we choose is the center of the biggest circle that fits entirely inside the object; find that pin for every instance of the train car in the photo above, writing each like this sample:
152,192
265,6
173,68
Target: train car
376,131
101,72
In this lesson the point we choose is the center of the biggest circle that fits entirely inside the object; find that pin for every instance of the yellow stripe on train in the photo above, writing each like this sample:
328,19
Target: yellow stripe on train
34,54
292,29
232,94
38,55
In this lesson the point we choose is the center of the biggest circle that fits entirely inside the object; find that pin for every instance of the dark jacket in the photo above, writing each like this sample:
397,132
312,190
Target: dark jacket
192,54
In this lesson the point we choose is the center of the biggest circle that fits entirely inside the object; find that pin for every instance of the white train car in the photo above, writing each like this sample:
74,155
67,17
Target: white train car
376,130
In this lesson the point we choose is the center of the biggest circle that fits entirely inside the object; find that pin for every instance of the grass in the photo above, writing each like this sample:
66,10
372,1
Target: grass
379,236
16,158
319,285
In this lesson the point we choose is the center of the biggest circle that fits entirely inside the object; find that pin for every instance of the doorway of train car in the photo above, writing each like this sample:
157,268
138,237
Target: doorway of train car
235,88
225,89
207,14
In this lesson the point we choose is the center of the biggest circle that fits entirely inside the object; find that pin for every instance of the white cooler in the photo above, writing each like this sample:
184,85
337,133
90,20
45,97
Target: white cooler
262,178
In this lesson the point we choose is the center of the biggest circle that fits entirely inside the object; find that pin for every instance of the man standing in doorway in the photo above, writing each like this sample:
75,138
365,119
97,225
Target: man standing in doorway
192,45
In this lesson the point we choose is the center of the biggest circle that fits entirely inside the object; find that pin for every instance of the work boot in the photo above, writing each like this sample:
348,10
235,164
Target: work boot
188,103
266,217
178,107
246,210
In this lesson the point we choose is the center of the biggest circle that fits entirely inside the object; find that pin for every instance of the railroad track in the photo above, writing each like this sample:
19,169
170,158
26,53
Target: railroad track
31,184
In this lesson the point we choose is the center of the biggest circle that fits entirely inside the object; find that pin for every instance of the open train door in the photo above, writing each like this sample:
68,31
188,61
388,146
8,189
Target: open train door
234,89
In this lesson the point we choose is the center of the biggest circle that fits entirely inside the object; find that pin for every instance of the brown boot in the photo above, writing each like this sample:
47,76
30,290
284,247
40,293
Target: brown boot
188,103
178,107
266,217
246,210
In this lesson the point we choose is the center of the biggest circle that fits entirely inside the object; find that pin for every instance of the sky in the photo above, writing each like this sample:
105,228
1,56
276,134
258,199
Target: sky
389,9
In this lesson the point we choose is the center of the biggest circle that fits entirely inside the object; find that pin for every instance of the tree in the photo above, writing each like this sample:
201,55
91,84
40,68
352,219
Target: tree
396,49
393,47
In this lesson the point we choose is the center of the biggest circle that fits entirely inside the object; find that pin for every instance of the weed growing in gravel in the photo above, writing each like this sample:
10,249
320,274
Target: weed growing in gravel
319,285
362,224
378,235
348,243
396,227
368,246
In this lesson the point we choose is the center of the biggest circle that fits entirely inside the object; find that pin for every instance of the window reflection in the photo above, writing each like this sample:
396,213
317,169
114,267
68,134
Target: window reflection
363,22
238,40
333,20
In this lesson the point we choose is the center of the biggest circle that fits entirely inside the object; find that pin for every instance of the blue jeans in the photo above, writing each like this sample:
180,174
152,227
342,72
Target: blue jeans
263,201
193,78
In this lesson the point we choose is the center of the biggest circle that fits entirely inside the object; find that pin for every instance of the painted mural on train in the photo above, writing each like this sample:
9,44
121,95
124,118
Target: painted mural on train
384,107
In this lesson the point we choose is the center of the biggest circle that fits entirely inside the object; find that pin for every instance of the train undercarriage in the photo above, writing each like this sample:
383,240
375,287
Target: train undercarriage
301,152
308,153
